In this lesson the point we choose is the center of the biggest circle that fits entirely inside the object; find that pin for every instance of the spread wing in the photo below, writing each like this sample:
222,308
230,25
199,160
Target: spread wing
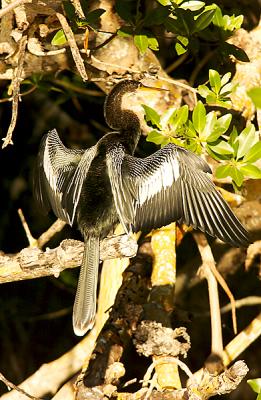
172,185
59,176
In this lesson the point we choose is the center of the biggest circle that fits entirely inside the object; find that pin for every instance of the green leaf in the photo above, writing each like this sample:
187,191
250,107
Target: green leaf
199,117
93,16
180,49
255,96
211,98
156,137
231,22
190,130
156,16
225,78
59,38
179,117
203,20
246,139
141,41
254,153
192,5
173,25
151,115
218,17
215,81
211,120
226,89
255,384
183,40
237,176
222,147
204,91
215,156
251,171
224,122
194,146
185,20
221,126
153,43
176,141
233,136
223,171
69,10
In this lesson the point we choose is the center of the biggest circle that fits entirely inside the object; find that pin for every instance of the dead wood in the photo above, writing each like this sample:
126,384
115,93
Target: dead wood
33,263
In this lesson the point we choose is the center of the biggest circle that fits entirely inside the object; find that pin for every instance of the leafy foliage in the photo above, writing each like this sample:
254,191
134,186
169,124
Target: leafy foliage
208,132
187,20
219,91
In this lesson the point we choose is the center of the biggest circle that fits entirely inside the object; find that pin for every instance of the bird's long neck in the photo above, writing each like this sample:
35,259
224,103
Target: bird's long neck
123,120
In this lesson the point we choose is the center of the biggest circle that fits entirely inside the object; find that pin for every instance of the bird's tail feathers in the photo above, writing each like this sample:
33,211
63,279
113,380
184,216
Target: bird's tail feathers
84,308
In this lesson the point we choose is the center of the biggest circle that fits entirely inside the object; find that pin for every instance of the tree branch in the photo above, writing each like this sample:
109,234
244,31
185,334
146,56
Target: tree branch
12,6
33,263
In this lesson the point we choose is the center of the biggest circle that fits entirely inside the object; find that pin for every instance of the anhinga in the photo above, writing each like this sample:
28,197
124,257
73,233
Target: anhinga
106,184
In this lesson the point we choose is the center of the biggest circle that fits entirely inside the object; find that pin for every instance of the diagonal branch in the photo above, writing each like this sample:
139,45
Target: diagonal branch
73,46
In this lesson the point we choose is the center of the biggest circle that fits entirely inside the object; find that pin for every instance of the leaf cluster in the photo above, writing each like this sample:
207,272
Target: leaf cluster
188,21
237,152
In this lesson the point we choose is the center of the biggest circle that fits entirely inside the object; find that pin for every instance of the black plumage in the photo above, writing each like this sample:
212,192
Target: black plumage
106,184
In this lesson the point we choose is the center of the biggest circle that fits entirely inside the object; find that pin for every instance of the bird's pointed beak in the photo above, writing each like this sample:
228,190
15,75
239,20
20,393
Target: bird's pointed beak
152,88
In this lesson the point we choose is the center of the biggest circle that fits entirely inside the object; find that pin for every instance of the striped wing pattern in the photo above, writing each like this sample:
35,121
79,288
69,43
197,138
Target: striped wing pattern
172,185
59,176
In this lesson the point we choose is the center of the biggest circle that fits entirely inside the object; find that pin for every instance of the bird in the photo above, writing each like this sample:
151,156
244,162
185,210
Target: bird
106,184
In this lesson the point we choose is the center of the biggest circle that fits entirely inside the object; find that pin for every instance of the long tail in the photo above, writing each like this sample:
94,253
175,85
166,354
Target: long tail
84,308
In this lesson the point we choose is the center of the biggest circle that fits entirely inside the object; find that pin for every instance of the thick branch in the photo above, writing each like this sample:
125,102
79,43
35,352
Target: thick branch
33,263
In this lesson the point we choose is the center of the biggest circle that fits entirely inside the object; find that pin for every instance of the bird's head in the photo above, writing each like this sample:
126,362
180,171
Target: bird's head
119,106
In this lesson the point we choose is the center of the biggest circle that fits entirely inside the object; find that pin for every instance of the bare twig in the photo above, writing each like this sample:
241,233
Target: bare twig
207,260
31,90
78,89
73,45
16,388
16,90
12,6
245,302
56,227
134,71
229,294
33,263
32,241
170,68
